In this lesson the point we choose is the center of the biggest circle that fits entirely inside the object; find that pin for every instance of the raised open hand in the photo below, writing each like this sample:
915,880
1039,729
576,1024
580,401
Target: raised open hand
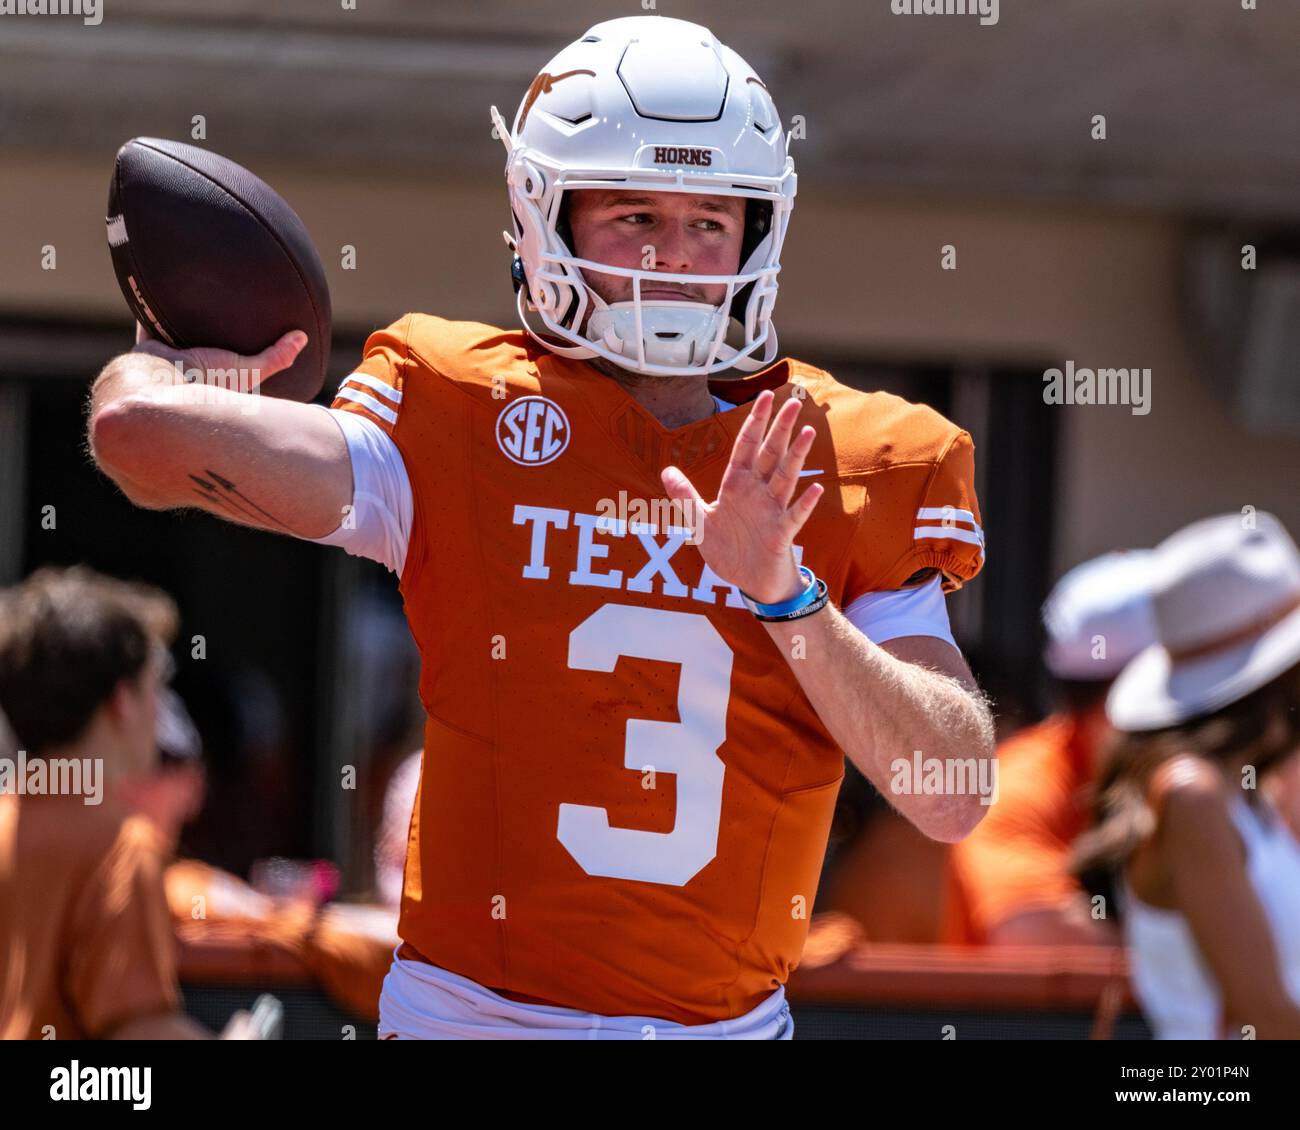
747,533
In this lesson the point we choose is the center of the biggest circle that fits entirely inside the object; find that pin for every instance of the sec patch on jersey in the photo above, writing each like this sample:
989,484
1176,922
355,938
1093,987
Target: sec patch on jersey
532,431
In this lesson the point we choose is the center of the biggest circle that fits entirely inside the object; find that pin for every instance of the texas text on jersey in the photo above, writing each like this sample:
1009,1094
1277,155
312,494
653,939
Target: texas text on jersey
625,796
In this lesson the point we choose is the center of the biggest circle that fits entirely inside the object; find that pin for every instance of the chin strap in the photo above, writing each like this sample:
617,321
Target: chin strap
669,333
677,334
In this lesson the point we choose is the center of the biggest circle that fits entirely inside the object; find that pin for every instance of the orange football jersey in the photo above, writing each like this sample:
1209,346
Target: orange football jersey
625,796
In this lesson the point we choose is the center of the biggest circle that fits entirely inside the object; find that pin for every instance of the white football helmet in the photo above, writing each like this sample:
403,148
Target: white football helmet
656,105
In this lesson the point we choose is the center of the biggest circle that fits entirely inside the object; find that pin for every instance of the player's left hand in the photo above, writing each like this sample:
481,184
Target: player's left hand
747,534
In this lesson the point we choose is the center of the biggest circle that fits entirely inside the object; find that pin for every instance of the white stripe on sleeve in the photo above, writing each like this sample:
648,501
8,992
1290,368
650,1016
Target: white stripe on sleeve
369,402
387,391
953,533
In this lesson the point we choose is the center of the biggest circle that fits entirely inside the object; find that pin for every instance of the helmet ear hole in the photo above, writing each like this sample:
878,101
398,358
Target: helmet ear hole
562,226
758,222
564,230
739,303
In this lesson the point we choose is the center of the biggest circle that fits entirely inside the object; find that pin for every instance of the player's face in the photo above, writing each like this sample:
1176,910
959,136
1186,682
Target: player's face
663,231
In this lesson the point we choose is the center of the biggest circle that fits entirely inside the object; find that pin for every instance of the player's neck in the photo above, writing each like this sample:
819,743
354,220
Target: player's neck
673,401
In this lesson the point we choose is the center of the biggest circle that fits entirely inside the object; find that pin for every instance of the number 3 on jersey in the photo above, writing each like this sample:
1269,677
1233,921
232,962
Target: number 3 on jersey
688,748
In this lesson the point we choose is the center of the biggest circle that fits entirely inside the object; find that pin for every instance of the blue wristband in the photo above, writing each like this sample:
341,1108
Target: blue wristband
785,607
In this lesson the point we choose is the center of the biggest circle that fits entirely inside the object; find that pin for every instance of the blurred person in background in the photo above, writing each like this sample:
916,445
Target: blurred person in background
1283,790
346,948
86,941
171,793
1208,873
881,872
1009,882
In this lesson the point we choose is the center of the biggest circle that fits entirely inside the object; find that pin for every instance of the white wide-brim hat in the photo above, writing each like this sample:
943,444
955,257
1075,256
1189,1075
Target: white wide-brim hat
1226,595
1099,616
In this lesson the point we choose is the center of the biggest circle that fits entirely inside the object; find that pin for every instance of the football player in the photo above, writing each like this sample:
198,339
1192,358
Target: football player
646,650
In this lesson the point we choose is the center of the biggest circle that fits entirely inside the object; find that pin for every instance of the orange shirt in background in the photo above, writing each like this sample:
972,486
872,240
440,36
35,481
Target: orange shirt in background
1016,860
84,932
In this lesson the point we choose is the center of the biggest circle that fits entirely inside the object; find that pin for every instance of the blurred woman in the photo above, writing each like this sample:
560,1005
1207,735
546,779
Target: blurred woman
1209,874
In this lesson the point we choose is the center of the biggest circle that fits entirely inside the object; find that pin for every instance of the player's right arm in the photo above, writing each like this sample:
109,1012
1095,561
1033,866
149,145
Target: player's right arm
256,460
